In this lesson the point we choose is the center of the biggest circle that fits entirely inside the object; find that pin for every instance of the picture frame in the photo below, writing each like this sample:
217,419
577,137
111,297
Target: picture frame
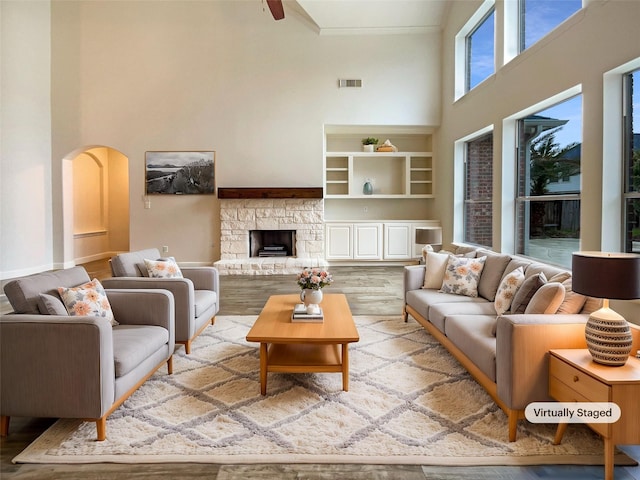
180,172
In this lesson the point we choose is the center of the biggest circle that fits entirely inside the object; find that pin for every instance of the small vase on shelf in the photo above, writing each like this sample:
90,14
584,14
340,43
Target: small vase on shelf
367,189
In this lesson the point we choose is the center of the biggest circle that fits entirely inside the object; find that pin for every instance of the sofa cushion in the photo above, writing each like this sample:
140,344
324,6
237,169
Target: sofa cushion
591,305
472,334
492,273
573,302
439,312
507,290
131,264
421,300
204,299
462,275
24,293
436,263
547,299
51,305
166,268
515,263
89,300
526,292
132,344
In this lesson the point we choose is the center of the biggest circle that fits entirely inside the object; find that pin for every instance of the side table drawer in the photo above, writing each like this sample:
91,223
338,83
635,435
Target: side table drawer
590,389
563,393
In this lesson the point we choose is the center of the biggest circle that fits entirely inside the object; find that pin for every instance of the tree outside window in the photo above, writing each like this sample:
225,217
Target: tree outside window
548,210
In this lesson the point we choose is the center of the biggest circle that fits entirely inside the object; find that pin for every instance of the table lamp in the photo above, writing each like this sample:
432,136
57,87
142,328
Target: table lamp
428,236
607,276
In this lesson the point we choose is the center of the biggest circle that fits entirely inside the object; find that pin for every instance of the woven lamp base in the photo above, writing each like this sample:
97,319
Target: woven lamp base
608,338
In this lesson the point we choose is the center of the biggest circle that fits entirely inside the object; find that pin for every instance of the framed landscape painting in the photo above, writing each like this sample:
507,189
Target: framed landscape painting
180,173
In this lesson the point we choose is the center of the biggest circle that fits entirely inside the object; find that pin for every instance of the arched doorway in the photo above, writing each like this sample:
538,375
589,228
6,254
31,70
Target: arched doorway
95,204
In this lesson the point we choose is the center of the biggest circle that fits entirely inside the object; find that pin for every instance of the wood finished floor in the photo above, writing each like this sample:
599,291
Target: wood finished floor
370,290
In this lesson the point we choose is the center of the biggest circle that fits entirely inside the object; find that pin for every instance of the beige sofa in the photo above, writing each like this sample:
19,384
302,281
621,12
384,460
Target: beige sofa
61,366
508,353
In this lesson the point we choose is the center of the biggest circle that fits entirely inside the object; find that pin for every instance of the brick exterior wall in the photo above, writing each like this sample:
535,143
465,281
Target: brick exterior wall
479,194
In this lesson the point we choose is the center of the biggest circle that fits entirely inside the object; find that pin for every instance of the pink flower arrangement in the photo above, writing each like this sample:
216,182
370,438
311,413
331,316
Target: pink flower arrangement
314,278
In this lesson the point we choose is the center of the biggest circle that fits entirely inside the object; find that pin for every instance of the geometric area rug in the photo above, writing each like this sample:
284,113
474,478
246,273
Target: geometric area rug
409,402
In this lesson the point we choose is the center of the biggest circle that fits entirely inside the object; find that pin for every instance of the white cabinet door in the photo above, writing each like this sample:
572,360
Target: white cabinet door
339,241
397,241
367,241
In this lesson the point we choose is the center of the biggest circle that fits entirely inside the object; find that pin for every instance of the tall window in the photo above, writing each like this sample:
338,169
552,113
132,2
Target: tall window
480,51
632,162
548,190
478,203
539,17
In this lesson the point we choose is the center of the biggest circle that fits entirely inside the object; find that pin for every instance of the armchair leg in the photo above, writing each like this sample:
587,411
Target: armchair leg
213,320
4,425
101,427
170,365
187,347
405,315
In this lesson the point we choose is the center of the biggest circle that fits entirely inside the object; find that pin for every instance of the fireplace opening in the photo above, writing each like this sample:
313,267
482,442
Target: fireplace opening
272,243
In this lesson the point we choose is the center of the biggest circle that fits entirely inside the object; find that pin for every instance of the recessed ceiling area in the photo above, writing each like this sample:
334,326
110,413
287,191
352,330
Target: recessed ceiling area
343,17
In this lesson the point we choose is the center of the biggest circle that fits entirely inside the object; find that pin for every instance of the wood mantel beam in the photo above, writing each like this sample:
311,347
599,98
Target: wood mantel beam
260,192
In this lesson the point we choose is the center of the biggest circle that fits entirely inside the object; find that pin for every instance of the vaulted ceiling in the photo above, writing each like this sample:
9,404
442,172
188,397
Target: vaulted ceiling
341,17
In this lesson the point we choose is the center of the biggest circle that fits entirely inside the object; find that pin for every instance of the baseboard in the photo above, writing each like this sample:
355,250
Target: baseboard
94,257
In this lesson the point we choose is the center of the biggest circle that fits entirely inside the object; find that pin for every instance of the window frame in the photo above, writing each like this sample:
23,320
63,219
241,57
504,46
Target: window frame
460,50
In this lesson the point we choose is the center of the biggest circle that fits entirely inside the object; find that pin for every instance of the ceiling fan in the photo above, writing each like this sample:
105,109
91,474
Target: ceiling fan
277,10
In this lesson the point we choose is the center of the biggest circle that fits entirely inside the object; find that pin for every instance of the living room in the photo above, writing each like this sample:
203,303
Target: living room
119,79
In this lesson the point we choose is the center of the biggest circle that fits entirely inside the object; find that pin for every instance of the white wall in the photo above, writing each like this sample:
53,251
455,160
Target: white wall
25,138
224,76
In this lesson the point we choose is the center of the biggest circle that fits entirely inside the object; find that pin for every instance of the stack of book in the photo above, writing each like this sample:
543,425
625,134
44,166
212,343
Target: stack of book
300,314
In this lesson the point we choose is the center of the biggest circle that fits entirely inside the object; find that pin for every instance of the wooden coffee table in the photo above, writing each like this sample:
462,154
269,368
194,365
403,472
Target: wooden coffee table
290,347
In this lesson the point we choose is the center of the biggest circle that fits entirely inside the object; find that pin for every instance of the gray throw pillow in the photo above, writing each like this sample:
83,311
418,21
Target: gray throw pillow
526,292
51,305
547,299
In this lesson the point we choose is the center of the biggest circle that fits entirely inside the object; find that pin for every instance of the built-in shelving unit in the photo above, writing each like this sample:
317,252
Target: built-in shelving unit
407,173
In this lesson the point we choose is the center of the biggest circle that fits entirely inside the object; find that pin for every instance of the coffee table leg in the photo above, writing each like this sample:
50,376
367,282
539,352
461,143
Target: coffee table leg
345,367
263,368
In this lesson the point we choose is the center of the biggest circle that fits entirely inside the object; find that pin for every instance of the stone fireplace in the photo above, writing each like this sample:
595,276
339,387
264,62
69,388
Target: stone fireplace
299,219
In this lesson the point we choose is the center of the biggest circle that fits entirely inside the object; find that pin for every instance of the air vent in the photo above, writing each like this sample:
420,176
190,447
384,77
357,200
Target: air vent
349,83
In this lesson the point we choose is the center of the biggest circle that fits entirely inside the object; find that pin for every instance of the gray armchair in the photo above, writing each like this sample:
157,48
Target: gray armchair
61,366
196,296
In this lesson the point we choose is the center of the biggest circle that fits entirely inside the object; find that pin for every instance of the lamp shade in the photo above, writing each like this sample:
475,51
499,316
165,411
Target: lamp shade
429,236
606,275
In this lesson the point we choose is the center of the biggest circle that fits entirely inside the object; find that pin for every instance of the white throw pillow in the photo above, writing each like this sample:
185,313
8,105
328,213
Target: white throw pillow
165,268
436,264
461,276
89,300
507,290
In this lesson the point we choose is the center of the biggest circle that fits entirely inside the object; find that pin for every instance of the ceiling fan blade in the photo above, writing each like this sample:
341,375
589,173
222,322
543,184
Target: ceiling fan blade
277,10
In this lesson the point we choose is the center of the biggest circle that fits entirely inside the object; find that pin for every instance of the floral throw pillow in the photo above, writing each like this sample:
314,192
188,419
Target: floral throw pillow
165,268
507,290
462,275
88,300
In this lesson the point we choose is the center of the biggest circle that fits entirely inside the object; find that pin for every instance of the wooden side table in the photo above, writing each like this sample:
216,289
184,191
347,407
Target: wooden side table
575,377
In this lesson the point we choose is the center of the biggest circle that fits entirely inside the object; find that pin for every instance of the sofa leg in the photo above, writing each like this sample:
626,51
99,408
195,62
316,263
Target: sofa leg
170,365
187,347
405,315
4,425
213,320
513,425
101,427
